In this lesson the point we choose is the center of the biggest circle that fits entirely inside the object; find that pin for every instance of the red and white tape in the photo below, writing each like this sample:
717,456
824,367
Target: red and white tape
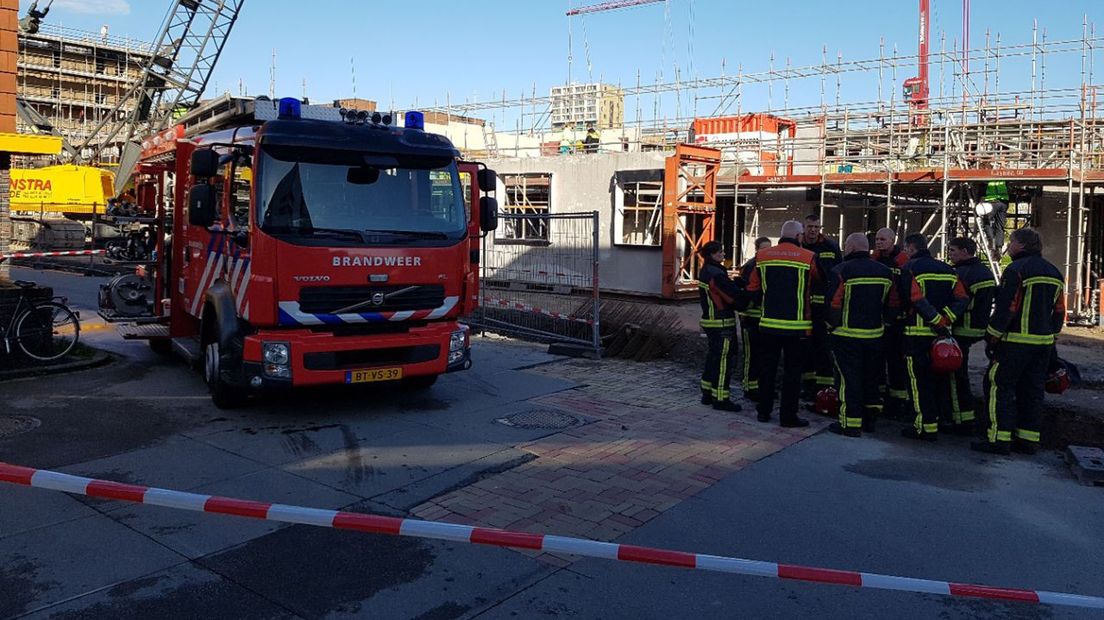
378,524
524,308
46,254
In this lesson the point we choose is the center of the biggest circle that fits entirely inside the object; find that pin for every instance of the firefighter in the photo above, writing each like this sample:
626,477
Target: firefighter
935,298
1030,309
781,283
818,365
718,295
980,285
749,322
861,296
894,382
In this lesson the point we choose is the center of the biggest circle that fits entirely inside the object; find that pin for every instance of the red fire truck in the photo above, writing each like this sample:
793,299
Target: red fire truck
312,245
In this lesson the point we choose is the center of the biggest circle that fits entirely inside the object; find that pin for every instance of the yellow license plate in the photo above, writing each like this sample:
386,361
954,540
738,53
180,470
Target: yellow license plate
374,374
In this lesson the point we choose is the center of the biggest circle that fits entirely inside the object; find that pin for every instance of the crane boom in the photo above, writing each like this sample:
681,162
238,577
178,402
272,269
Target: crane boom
609,6
173,79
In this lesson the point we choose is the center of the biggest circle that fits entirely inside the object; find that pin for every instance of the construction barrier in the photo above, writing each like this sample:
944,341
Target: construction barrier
4,257
394,526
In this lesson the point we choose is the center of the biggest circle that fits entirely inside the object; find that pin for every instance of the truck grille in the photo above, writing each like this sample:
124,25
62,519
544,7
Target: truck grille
364,358
327,299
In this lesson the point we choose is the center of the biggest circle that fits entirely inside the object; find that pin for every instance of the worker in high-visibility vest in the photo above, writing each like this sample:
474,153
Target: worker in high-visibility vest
1030,309
749,324
719,296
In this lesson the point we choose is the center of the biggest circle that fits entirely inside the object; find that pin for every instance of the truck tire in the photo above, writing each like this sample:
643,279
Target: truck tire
223,395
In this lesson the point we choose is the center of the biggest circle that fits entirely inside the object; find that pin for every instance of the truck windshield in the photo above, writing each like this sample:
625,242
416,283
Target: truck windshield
314,197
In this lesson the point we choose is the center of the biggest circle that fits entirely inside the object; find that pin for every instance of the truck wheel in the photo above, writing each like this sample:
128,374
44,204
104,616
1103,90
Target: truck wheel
416,384
223,395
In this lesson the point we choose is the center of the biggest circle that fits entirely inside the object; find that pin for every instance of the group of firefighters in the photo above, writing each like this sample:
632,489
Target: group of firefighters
876,325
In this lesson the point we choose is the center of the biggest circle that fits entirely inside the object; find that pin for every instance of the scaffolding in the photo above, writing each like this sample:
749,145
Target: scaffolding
916,170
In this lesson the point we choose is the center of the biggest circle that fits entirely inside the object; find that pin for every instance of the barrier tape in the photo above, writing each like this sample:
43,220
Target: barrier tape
524,308
46,254
394,526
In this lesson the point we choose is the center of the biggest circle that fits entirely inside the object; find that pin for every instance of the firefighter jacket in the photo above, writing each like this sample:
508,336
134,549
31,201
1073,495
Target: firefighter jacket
862,296
827,253
752,311
1030,304
895,260
718,295
781,285
981,285
935,295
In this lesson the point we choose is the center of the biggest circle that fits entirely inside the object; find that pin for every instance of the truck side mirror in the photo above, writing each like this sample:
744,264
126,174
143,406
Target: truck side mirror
205,163
488,213
487,180
202,205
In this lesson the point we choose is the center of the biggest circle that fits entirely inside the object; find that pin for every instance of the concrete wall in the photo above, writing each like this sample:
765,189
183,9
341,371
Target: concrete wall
583,183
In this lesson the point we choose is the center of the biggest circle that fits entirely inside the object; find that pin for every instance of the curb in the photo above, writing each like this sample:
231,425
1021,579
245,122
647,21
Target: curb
437,530
100,358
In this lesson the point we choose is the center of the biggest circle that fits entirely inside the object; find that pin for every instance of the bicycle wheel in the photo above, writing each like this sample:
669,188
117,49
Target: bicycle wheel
47,331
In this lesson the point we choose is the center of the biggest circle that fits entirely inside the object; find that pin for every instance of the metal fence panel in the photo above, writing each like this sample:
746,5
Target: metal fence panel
540,278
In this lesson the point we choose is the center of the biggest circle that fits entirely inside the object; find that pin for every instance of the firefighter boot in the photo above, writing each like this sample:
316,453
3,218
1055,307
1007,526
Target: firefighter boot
726,405
836,428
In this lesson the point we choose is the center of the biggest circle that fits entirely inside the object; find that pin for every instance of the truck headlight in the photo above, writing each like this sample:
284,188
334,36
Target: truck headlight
458,340
276,353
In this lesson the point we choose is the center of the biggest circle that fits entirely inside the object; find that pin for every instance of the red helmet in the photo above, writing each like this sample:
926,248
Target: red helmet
827,401
1058,380
946,357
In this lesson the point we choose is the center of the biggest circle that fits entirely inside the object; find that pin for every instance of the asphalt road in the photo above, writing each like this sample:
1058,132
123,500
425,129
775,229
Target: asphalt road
875,504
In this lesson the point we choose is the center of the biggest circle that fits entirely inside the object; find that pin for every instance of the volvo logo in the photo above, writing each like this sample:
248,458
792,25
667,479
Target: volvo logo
377,299
311,278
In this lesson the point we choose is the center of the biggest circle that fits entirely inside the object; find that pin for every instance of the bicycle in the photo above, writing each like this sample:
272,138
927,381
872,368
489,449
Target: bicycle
43,330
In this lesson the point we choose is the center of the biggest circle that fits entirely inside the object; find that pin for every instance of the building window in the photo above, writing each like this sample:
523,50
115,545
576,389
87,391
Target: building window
639,217
55,93
101,98
528,195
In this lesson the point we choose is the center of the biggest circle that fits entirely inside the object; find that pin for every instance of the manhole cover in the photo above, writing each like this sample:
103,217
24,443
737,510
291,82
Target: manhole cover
11,426
541,418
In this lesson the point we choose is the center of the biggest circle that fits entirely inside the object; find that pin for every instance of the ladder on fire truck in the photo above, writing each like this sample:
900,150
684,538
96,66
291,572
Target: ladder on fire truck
186,50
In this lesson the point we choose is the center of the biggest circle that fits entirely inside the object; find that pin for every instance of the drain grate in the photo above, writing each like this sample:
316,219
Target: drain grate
11,426
541,419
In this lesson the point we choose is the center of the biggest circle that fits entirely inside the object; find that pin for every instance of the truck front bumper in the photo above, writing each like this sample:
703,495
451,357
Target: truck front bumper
323,358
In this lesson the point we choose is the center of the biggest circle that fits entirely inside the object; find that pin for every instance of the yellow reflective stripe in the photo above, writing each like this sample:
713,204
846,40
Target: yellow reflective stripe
721,393
801,278
937,277
1032,281
1004,435
898,394
843,419
717,322
1025,311
816,299
1029,338
992,434
824,380
827,255
706,386
950,314
918,421
785,324
930,428
1027,435
969,332
784,263
983,284
858,332
913,330
956,413
994,332
747,360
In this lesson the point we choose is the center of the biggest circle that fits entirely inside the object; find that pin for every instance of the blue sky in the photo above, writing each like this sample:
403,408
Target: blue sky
429,50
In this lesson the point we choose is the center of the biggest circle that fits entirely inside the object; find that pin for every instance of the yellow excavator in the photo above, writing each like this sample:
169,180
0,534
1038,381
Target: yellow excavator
48,204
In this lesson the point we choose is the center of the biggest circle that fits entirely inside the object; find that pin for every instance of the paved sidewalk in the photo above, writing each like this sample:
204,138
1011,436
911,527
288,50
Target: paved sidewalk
648,446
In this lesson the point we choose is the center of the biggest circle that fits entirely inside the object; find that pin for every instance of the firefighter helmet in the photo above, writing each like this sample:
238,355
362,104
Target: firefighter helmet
946,356
1058,379
827,401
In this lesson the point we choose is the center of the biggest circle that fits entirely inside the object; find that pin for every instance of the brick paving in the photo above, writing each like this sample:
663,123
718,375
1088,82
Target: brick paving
648,447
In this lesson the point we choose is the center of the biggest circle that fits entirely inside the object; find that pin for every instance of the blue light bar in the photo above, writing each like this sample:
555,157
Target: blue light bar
290,108
414,120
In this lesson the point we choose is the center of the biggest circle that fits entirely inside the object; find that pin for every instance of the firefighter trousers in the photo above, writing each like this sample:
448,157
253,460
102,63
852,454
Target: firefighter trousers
930,393
962,397
752,356
1014,388
859,366
817,369
894,383
720,361
792,350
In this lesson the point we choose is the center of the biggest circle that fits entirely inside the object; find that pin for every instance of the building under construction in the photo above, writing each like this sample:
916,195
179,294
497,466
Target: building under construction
956,155
71,80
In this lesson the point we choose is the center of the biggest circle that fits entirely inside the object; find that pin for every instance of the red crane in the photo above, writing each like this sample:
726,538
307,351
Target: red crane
609,6
916,88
